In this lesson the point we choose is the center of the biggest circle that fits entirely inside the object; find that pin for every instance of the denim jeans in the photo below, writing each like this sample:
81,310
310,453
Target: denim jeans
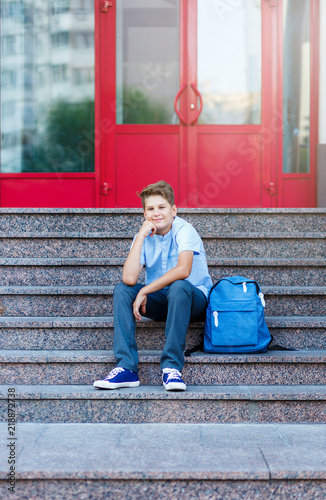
178,305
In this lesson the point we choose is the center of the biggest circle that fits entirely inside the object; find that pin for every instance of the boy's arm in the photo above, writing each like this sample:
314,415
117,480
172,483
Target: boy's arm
132,267
180,272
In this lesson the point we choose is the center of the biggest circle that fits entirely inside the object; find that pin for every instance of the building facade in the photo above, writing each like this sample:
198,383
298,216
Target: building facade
224,99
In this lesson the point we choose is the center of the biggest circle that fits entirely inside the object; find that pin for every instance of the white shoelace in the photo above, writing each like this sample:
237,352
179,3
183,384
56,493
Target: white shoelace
172,373
114,372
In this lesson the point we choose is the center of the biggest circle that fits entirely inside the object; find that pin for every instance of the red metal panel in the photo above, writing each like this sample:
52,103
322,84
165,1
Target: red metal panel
229,170
192,131
56,191
107,115
144,159
270,122
279,109
98,134
183,167
296,191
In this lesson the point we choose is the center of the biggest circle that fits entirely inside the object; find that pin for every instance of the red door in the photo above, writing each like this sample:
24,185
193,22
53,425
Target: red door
140,77
188,92
230,153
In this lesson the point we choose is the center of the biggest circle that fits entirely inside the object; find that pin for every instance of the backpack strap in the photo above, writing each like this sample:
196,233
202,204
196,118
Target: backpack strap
198,347
278,347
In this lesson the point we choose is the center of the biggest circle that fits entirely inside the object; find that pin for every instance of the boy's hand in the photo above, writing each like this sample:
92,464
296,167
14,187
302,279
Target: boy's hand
147,228
141,301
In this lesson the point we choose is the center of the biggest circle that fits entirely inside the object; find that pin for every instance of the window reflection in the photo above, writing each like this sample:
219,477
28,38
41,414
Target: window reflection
296,86
47,86
229,61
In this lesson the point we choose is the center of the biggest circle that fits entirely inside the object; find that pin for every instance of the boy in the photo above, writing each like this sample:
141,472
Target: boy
176,289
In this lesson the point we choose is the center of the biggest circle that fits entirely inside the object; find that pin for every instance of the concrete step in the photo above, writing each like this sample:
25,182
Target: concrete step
108,271
153,404
97,332
173,461
83,367
16,221
261,245
97,300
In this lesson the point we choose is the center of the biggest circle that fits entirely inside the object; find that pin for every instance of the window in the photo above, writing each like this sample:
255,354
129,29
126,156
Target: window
10,45
59,6
8,78
60,39
83,75
45,100
82,40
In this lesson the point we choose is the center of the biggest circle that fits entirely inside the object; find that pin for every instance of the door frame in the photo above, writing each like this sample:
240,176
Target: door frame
306,183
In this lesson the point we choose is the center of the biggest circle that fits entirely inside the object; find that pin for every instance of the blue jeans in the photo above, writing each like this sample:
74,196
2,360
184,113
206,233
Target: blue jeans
179,304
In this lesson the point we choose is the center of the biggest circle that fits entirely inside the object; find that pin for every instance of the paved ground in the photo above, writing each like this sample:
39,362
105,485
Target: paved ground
166,451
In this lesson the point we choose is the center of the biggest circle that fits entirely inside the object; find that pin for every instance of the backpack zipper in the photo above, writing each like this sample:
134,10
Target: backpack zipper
244,286
215,314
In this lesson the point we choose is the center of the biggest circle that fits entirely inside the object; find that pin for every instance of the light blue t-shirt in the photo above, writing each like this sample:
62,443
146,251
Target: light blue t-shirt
160,254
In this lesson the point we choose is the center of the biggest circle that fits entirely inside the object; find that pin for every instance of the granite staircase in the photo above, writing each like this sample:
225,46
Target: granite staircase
248,426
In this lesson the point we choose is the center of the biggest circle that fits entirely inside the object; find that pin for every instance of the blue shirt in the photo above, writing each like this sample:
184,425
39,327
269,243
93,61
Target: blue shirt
160,254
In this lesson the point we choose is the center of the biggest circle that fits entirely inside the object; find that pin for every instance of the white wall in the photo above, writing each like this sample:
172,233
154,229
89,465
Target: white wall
321,148
322,85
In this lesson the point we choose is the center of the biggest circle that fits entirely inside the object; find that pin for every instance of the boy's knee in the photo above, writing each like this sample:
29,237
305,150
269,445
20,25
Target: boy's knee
122,289
179,289
119,288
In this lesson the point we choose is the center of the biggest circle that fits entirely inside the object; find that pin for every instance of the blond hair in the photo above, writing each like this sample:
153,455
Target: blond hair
160,188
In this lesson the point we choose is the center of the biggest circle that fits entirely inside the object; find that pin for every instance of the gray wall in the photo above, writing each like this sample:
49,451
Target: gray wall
321,176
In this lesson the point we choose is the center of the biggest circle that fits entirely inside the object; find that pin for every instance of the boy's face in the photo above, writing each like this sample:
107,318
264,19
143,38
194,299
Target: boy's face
159,211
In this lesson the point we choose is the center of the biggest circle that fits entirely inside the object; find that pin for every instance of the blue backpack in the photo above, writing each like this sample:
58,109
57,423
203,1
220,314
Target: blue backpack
235,320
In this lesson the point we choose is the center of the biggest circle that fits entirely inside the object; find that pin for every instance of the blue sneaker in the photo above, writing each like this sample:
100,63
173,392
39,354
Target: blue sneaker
117,378
172,380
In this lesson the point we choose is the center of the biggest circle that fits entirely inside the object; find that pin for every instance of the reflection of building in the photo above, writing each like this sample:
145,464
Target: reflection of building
47,55
13,121
238,108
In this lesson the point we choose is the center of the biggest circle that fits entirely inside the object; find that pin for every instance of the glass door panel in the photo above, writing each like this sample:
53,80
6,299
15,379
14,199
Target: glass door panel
147,67
296,86
229,61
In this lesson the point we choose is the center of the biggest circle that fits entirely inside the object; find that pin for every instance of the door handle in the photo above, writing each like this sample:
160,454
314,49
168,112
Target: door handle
271,187
177,97
105,5
193,86
105,187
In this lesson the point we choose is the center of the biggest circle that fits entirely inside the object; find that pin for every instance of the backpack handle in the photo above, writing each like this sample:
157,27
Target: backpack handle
244,280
